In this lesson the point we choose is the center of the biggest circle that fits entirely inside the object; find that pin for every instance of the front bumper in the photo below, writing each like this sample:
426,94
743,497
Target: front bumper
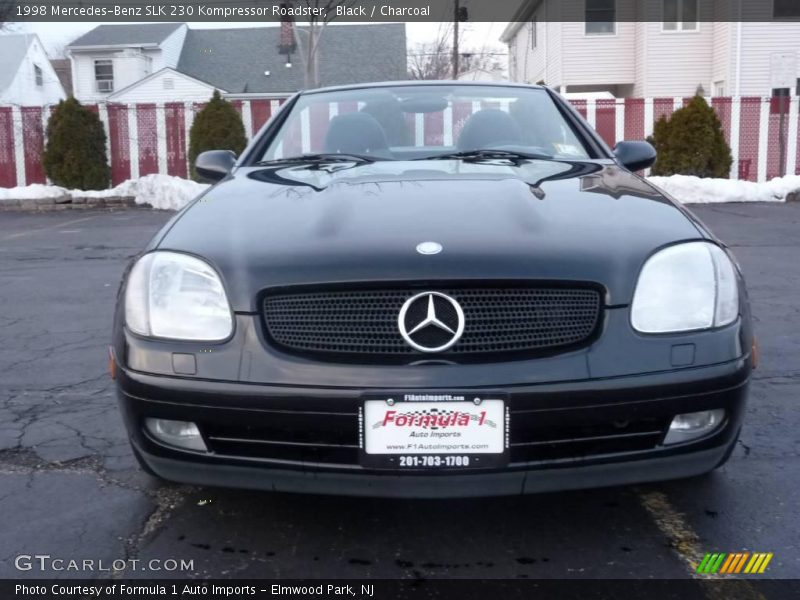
566,435
509,483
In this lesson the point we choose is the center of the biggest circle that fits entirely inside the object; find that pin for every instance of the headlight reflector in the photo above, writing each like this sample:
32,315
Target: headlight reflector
183,434
685,287
690,426
173,295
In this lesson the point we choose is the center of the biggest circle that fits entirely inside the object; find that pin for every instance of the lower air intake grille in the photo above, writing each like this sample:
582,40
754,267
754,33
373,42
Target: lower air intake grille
498,321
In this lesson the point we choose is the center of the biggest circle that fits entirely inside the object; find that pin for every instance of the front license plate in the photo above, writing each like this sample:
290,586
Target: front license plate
434,431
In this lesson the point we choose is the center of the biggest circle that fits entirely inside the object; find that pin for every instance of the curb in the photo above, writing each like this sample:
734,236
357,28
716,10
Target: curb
67,202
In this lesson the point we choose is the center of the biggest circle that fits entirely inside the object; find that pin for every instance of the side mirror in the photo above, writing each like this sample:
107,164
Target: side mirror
213,165
635,156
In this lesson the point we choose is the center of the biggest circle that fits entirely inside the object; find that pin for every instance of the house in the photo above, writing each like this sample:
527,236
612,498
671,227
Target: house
650,48
242,63
111,57
63,69
489,73
26,76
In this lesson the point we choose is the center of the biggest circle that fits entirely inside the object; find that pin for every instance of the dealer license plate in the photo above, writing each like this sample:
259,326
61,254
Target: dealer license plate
434,431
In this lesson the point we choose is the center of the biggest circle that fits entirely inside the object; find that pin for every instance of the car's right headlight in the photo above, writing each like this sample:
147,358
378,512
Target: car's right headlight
685,287
177,296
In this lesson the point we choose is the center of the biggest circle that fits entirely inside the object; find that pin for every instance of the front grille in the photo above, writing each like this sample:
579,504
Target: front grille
498,321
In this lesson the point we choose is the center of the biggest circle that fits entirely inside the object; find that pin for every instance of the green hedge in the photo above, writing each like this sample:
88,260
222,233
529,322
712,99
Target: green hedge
75,154
217,127
691,142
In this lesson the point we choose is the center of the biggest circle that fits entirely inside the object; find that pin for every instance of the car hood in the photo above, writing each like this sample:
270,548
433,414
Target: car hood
547,220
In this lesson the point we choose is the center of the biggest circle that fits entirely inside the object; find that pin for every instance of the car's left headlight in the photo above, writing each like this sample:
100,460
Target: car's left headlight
176,296
685,287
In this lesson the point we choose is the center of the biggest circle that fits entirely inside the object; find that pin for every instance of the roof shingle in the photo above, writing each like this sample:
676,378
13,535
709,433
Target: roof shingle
139,33
235,60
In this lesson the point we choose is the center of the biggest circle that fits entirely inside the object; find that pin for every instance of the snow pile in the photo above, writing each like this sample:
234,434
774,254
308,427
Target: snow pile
32,192
689,189
159,191
164,192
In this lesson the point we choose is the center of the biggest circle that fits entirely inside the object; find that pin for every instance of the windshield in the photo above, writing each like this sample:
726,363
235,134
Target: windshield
414,122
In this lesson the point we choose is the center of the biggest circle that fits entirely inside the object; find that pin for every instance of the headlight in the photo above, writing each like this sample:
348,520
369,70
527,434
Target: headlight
685,287
172,295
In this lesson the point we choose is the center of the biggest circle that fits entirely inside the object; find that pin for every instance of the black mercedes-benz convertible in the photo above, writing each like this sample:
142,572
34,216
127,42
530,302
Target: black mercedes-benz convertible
428,290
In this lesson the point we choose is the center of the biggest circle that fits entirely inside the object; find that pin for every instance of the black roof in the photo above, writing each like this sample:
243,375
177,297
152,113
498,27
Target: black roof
113,35
235,60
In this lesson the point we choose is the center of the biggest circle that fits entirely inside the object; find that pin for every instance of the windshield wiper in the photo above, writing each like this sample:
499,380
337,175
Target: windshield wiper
487,154
320,158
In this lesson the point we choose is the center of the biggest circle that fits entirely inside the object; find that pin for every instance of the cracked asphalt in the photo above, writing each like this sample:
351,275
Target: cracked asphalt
69,486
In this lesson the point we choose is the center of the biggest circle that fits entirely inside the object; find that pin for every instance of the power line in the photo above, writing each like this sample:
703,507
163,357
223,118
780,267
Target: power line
447,52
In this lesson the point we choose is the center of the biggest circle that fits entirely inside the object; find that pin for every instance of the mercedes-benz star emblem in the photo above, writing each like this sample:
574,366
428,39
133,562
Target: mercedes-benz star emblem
431,322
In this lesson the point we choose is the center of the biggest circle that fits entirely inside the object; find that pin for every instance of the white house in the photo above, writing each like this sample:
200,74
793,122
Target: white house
166,85
26,75
649,48
111,57
490,73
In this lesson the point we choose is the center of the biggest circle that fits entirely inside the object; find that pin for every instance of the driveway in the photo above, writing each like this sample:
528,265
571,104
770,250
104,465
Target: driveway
69,487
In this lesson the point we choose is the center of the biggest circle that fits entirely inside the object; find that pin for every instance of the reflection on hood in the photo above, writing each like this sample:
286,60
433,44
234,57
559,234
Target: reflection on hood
533,172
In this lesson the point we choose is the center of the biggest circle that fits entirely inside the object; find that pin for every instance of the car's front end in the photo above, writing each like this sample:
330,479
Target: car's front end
444,327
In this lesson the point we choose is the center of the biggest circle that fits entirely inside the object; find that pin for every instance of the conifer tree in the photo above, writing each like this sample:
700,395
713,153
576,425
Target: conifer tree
217,126
75,154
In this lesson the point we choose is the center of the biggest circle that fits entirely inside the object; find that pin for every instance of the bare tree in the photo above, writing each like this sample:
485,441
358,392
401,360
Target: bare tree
7,9
58,50
308,38
433,60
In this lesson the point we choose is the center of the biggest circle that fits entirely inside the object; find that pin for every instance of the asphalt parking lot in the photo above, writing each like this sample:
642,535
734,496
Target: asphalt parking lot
69,486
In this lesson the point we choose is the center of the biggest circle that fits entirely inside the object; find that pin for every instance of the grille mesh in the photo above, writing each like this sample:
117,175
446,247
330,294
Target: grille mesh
497,320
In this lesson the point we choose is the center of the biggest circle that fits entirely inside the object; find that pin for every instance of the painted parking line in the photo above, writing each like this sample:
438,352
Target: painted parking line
686,543
20,234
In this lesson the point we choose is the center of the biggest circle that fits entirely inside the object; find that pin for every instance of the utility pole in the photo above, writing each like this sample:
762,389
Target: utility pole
456,19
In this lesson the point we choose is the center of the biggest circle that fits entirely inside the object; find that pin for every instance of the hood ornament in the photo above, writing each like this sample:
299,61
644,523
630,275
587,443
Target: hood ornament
429,248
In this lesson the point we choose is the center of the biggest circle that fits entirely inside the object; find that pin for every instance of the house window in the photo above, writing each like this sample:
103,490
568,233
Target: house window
37,73
601,16
785,9
169,83
680,15
104,75
534,24
719,88
781,92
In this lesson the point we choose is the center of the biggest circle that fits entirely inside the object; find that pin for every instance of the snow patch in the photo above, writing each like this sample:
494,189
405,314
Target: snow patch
164,192
695,190
159,191
32,192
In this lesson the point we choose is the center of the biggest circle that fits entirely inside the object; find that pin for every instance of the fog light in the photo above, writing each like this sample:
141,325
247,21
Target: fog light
691,426
183,434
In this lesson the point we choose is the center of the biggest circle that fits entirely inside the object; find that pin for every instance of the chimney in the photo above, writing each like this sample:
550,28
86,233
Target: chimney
287,44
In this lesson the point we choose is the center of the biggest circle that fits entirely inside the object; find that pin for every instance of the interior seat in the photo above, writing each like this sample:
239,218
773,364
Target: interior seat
356,133
487,128
391,117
